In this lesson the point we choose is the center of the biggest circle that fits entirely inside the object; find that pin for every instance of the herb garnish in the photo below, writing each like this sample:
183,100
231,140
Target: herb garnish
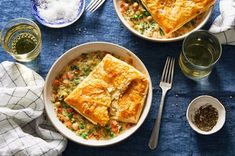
161,32
74,67
146,13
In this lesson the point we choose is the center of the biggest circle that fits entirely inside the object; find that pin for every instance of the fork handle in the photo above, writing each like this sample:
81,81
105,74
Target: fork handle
153,141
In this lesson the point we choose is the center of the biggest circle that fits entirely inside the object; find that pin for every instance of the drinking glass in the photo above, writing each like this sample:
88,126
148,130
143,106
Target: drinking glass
200,52
21,38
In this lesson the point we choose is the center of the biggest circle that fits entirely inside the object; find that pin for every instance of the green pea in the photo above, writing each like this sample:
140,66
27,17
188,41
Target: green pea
146,13
84,135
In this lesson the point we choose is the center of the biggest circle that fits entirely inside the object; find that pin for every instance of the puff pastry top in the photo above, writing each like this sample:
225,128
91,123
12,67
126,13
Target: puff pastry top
173,14
114,89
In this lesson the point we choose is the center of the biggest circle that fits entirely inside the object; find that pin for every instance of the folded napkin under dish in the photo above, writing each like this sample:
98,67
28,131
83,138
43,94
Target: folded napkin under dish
224,25
24,127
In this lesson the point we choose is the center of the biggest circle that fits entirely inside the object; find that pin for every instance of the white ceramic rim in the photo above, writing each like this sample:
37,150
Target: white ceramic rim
124,22
71,135
197,129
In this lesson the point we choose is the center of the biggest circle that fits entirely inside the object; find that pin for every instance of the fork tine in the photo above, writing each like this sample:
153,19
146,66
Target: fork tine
165,69
95,8
91,3
169,71
172,70
165,72
97,2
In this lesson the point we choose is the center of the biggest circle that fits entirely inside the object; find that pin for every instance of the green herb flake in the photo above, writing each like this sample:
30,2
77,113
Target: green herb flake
193,22
86,71
161,32
111,134
107,129
82,126
140,16
77,80
70,115
91,131
146,13
135,17
187,25
74,67
64,105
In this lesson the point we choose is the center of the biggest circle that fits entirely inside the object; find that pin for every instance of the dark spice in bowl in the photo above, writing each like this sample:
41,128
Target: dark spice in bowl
206,117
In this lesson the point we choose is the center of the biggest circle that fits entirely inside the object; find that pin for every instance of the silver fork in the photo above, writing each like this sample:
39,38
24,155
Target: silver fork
94,5
165,85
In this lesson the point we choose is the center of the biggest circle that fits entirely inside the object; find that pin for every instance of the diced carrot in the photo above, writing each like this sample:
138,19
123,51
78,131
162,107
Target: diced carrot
59,110
68,123
90,136
114,126
115,129
56,83
121,3
64,76
97,136
69,110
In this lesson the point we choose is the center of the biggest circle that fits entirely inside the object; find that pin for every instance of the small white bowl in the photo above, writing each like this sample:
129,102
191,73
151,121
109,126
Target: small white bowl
125,23
196,104
71,55
59,23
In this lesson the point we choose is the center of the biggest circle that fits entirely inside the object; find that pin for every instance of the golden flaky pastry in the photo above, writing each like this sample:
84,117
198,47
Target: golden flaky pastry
173,14
113,90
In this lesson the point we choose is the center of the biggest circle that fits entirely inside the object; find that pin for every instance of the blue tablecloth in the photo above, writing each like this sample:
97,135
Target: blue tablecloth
176,137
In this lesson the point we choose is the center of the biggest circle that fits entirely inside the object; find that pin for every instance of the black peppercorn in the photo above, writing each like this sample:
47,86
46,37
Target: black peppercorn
206,117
